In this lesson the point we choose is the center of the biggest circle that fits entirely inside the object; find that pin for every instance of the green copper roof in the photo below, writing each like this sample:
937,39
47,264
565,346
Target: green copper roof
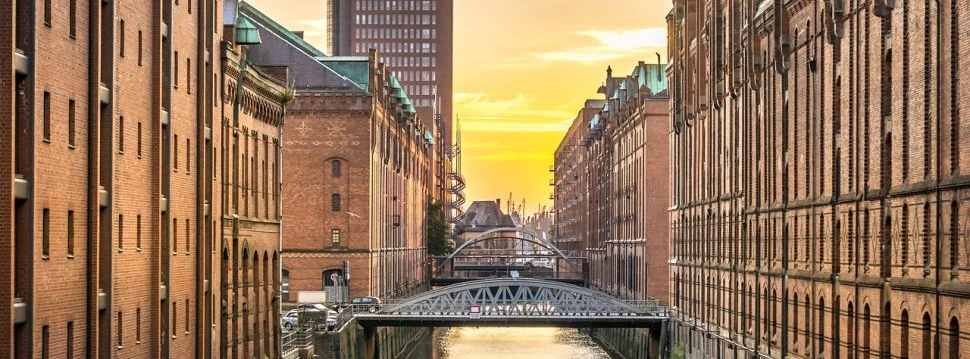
594,121
606,107
246,32
410,108
254,14
651,76
356,69
428,137
623,86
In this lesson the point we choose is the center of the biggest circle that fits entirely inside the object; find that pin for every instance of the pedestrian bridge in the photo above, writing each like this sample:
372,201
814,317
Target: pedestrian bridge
515,303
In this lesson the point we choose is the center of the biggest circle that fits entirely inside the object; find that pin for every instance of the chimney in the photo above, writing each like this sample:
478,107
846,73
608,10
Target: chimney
498,203
298,34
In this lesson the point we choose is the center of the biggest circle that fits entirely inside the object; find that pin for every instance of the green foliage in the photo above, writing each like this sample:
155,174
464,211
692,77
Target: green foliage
678,352
439,243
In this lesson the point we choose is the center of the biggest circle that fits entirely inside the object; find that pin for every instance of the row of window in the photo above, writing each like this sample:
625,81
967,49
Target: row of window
411,76
72,22
770,321
119,331
395,33
45,334
71,120
397,47
904,239
70,234
46,234
402,5
121,42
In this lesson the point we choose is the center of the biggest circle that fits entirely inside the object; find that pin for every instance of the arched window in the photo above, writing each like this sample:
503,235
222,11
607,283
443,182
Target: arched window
335,202
904,335
335,168
821,326
794,327
885,330
927,336
954,338
866,337
808,321
850,314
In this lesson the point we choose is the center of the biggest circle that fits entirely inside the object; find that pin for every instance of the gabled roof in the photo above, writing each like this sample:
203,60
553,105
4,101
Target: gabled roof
255,15
281,47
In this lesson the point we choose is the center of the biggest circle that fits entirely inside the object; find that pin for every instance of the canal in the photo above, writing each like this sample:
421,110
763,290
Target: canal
507,343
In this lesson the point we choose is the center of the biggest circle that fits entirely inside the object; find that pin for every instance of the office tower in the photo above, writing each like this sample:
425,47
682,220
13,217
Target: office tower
413,38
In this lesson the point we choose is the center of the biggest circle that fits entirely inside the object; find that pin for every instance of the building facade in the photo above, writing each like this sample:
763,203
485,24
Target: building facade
819,206
611,182
569,180
414,41
358,173
120,237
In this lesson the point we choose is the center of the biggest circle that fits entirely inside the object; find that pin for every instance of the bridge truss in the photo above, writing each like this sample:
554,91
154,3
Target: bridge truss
520,302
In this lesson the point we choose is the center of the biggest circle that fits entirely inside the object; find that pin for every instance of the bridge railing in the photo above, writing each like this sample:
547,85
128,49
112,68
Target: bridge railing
295,341
649,307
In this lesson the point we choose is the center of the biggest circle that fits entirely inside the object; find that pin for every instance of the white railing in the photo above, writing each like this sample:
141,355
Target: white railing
296,340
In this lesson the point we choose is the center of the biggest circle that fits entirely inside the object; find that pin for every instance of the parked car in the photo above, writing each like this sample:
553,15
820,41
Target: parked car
371,304
291,320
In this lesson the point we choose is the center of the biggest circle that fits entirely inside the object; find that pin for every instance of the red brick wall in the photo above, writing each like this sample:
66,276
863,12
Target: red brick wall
385,172
780,192
6,172
61,183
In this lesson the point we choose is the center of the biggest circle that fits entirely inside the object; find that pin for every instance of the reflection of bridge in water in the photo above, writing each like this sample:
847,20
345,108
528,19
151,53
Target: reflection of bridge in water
505,253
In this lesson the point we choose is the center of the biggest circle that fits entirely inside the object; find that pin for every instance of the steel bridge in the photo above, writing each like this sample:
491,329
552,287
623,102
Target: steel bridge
501,251
516,302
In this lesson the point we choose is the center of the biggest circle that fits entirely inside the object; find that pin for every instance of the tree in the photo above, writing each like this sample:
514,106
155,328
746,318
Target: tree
439,243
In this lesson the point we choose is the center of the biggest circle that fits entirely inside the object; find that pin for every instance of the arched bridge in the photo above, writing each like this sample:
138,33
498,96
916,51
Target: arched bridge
500,251
516,302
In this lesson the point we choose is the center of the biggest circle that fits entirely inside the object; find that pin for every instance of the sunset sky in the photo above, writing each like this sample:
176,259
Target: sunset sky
522,71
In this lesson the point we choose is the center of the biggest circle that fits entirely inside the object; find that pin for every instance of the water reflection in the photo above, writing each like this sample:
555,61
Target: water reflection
508,343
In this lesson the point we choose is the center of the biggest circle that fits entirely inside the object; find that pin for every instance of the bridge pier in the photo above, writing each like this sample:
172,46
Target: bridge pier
371,345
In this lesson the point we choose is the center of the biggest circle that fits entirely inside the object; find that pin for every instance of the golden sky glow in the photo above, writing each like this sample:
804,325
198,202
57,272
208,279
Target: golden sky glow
522,70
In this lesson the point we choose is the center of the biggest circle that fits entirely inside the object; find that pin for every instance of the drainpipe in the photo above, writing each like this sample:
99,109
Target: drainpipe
782,69
939,223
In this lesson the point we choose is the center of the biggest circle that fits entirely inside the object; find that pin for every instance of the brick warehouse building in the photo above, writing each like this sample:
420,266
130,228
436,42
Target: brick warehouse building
610,182
414,40
358,173
569,178
819,205
131,229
